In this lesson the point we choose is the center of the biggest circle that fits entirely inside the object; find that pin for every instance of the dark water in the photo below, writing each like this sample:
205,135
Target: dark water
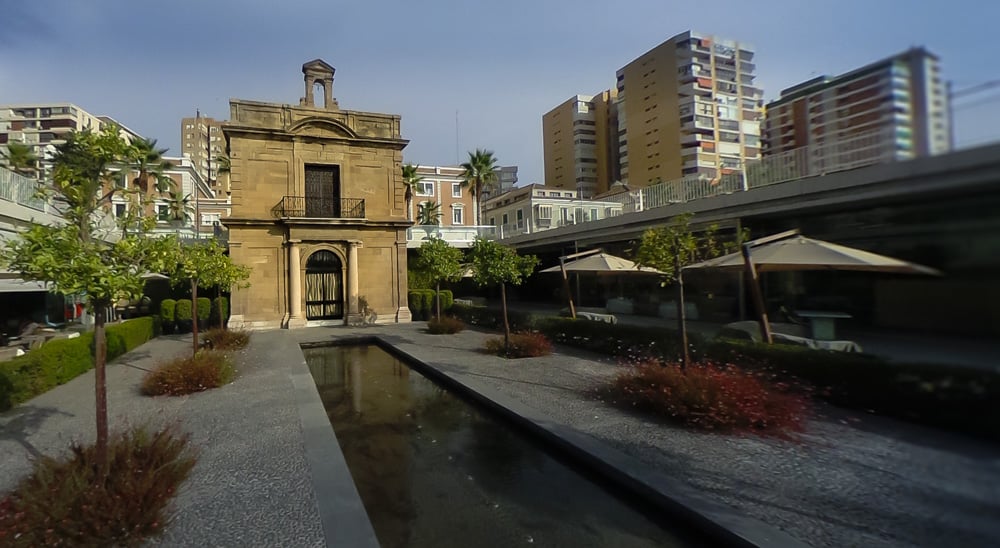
434,471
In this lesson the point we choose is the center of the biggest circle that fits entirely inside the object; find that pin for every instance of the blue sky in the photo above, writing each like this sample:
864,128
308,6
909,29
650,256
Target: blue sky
500,65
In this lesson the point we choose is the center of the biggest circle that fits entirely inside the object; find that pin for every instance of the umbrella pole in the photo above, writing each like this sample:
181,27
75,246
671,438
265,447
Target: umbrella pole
569,294
758,299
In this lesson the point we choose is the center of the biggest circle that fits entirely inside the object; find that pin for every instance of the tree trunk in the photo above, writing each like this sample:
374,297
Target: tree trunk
506,323
681,314
438,295
479,202
194,316
100,382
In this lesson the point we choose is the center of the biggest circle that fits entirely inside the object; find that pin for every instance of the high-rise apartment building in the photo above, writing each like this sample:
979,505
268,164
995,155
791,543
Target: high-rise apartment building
45,125
688,107
580,139
202,141
896,107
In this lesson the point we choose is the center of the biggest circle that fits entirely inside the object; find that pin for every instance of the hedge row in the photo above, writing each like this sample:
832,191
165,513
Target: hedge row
951,397
423,306
61,360
176,315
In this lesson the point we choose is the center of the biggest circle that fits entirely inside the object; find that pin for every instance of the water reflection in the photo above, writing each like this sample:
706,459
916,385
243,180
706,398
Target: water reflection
434,471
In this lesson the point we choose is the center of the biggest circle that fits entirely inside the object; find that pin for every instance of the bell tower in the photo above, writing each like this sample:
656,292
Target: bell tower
318,77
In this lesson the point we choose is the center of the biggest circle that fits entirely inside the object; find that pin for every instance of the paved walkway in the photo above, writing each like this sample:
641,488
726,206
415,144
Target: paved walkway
251,486
851,480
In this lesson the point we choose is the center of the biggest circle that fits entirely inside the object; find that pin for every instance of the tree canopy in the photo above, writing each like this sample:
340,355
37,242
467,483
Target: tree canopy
494,263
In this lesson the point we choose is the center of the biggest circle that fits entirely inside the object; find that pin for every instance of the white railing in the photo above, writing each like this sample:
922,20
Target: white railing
19,189
458,236
863,150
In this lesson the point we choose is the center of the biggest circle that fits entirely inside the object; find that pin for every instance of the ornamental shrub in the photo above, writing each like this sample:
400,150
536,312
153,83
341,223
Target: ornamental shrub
167,309
445,326
522,345
712,397
68,501
182,315
205,370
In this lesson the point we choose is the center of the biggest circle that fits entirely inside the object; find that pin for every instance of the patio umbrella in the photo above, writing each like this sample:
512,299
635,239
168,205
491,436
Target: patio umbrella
595,260
790,251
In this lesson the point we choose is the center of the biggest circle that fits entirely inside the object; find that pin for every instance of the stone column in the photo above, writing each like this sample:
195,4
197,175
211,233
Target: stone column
353,314
295,280
403,314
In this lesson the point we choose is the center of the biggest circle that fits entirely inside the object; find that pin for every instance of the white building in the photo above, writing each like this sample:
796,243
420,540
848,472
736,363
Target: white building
534,208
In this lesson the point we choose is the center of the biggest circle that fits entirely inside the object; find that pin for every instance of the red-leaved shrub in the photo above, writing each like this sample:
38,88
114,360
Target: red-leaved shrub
445,326
70,502
713,397
207,369
220,338
522,345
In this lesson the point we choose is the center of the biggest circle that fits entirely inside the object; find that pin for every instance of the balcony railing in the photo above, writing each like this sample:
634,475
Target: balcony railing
20,190
456,236
319,208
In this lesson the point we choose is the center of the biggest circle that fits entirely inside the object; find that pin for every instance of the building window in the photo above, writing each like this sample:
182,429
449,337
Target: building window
545,212
456,190
162,212
456,216
425,188
505,220
593,213
119,210
210,219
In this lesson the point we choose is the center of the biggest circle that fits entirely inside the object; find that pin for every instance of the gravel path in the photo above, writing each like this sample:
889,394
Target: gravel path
850,480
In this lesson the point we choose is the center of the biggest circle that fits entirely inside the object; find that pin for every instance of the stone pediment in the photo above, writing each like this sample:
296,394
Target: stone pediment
322,128
318,65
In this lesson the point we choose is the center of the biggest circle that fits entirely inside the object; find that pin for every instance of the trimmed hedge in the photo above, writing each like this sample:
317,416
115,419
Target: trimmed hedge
61,360
217,319
447,300
421,303
182,315
167,307
950,397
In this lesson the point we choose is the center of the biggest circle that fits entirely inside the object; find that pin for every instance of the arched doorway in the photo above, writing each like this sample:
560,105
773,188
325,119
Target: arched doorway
324,286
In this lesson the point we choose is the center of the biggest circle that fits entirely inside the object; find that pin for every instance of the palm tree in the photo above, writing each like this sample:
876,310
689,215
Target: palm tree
223,163
148,161
179,208
21,158
429,214
410,181
480,173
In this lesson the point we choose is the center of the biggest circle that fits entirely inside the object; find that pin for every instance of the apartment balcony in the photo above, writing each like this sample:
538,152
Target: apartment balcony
319,208
456,236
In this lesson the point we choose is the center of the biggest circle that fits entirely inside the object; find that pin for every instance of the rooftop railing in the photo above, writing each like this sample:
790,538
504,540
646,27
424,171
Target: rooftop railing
19,189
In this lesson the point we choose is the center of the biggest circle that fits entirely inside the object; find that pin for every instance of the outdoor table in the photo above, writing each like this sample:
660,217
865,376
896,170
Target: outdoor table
822,323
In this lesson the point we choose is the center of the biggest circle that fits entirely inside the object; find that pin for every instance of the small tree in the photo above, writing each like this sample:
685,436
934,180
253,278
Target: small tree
76,258
429,214
440,262
205,264
671,247
20,158
495,263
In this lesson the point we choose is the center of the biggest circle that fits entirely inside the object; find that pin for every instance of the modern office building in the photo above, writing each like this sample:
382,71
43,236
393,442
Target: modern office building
202,141
45,125
688,107
897,106
580,140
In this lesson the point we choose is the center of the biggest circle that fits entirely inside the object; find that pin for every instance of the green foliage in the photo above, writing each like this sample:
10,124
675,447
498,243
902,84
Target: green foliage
416,279
62,360
492,318
439,261
429,214
479,174
183,310
447,299
167,307
445,326
664,247
413,301
426,302
205,370
69,501
204,308
494,263
410,180
206,264
20,158
521,345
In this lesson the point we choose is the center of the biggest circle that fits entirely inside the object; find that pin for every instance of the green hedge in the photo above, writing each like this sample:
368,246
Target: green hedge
217,318
951,397
204,309
183,310
421,303
167,310
61,360
447,300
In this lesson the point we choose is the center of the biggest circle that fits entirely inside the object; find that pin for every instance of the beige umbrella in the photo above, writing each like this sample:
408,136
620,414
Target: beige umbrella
790,251
594,260
801,253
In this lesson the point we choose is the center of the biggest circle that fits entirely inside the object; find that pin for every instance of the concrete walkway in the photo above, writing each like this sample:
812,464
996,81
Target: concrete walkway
850,480
256,480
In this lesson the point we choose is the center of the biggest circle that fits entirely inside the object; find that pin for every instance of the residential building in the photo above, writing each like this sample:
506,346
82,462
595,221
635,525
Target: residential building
318,210
203,142
441,191
896,107
688,107
580,140
534,208
45,125
506,181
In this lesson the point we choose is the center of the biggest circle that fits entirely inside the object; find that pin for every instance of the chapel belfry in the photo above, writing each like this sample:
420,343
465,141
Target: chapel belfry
318,77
